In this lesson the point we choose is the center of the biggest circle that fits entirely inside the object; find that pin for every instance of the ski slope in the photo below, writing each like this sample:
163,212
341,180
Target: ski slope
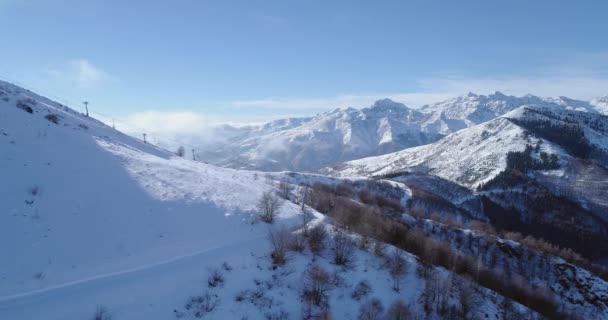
85,206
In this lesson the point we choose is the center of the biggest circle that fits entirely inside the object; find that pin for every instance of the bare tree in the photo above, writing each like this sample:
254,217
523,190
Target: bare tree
466,300
317,284
297,242
378,248
284,190
280,239
181,151
102,313
371,310
304,197
398,268
317,236
306,218
399,310
343,250
507,309
269,206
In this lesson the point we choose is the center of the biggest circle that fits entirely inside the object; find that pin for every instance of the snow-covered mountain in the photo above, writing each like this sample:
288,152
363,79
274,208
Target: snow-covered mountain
330,137
347,134
465,111
477,154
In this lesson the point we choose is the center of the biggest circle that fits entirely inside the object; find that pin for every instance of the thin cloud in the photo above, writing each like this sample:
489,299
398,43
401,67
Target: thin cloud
80,72
342,101
578,83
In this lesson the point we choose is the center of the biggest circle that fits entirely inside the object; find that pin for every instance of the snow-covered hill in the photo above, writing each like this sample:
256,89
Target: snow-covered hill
88,212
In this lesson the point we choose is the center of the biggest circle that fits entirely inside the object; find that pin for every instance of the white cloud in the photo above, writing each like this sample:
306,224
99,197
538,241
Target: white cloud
578,83
574,86
80,72
181,122
351,100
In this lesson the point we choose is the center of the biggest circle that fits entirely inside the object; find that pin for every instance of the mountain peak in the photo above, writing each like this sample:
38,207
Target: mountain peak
498,94
387,105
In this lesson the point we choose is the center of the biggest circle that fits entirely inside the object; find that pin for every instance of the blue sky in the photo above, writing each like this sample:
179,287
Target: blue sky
242,61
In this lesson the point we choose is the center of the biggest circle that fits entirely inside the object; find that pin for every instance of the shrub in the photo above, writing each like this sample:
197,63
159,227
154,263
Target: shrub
343,250
317,284
297,243
25,106
284,190
226,266
317,237
102,313
199,306
398,268
399,310
279,240
215,279
362,289
268,206
52,118
181,151
371,310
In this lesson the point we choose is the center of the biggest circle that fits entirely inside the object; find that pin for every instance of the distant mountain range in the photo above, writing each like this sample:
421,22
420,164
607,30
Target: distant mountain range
311,143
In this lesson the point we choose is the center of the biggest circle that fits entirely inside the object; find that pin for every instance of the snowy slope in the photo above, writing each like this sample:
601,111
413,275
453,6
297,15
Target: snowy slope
83,202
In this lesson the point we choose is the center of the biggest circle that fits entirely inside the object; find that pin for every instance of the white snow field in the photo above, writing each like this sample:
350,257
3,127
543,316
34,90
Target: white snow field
91,216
